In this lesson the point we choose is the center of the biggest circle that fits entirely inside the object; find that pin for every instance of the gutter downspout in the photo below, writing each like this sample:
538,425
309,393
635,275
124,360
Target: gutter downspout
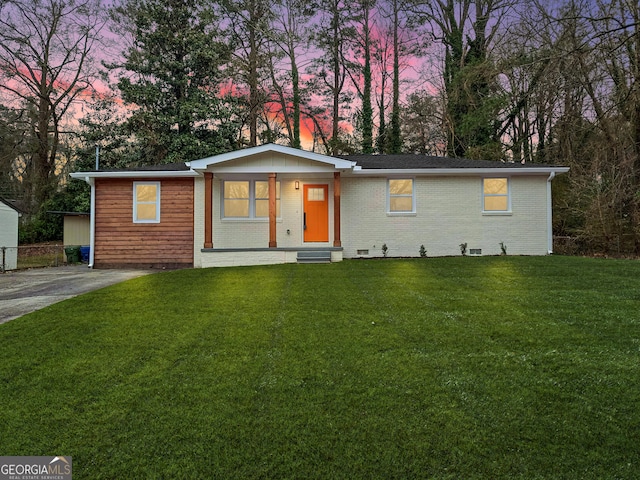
549,215
92,221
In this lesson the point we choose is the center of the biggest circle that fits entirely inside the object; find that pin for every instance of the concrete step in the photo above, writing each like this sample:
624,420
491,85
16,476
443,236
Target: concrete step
311,256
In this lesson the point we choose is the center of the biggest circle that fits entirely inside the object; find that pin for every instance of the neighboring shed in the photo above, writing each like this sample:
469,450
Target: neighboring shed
77,229
9,219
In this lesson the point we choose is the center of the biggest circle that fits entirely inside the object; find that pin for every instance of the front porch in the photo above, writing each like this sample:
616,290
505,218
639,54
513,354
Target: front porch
267,205
236,257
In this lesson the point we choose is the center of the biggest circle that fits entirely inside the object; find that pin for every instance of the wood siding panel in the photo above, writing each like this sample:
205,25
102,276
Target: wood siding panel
120,242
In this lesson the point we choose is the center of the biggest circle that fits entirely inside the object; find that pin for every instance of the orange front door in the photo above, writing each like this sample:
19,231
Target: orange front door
316,213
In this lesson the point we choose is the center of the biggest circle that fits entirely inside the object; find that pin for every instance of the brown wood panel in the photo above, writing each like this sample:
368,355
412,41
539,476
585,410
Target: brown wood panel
120,241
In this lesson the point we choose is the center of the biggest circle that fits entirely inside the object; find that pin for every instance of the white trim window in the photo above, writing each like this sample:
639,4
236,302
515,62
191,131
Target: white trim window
496,195
247,199
401,196
146,202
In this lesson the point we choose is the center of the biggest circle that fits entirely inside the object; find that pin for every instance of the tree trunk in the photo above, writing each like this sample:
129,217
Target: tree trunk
253,79
335,53
367,110
295,143
395,143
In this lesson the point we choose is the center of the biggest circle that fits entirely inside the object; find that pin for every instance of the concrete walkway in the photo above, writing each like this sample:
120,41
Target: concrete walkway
26,291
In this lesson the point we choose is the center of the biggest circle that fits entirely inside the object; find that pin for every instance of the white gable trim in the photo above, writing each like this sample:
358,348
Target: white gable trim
216,160
90,176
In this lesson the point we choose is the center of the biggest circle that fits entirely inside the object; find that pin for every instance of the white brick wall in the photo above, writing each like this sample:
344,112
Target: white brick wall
198,221
448,213
241,259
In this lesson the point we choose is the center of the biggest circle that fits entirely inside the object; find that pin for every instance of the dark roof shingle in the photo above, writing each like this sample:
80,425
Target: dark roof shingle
414,161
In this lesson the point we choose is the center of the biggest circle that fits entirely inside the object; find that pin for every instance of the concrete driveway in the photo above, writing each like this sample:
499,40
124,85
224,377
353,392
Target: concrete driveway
26,291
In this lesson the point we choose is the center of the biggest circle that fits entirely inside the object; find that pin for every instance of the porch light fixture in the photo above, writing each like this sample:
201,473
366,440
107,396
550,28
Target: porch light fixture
297,185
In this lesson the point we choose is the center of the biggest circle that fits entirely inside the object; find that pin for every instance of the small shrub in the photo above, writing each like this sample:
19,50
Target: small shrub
385,250
423,251
503,248
463,249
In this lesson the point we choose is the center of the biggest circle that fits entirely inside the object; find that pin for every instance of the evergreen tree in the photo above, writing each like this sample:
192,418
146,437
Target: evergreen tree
171,76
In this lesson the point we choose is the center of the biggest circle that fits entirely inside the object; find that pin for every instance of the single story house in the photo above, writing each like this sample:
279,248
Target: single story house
274,204
9,221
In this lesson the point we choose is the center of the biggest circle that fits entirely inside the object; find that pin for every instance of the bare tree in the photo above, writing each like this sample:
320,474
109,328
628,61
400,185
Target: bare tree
45,64
290,26
582,107
332,37
248,25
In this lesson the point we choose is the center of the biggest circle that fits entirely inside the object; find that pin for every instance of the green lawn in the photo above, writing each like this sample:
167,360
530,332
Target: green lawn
491,367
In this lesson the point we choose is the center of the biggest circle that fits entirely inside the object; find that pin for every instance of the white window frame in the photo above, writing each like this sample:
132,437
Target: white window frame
223,198
252,200
156,219
485,195
413,198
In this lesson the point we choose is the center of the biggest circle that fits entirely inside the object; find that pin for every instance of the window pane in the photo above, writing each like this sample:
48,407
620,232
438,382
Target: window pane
262,199
146,202
262,189
401,204
236,208
316,195
496,203
146,193
262,208
495,186
146,211
401,187
236,189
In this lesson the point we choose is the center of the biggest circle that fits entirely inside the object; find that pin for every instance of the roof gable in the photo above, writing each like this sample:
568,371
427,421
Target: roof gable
272,158
11,205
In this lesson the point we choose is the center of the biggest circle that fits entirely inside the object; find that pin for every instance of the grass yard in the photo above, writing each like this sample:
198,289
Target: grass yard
490,367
